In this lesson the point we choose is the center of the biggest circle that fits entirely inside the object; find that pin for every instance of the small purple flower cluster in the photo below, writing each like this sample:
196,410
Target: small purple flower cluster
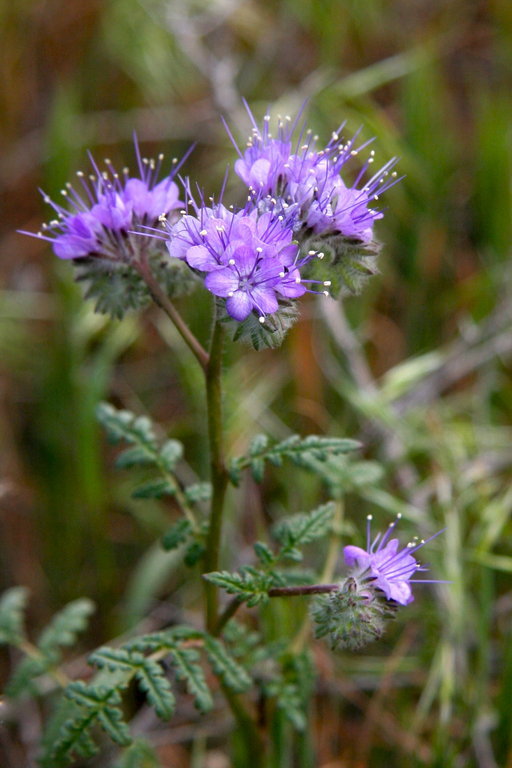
256,258
385,565
308,180
107,207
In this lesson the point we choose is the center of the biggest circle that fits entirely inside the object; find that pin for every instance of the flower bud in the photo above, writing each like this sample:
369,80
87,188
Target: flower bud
352,615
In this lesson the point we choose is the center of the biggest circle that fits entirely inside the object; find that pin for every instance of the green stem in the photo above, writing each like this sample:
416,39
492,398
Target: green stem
162,300
218,472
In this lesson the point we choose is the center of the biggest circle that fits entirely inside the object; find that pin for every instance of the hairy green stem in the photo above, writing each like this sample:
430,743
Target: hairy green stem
162,300
218,472
306,589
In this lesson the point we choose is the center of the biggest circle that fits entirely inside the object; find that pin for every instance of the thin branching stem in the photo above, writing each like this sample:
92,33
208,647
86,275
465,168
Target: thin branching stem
162,300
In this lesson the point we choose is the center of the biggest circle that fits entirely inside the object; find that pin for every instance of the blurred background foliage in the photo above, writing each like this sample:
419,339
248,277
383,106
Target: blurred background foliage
418,367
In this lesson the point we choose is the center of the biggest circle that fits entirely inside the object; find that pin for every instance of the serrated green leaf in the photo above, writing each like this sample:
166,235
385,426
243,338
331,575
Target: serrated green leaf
73,738
157,688
303,452
170,453
102,703
21,679
271,333
176,534
198,492
12,607
230,671
133,457
112,658
66,625
263,553
301,529
250,586
188,669
194,554
154,489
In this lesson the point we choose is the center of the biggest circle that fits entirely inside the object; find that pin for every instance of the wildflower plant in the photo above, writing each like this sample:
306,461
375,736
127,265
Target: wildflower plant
135,238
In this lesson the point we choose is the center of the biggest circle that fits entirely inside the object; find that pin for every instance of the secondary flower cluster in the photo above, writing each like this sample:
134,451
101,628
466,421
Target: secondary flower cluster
379,580
258,258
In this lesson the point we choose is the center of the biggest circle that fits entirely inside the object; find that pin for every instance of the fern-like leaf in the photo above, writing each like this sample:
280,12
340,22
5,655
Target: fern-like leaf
301,451
188,669
250,585
224,665
12,607
301,529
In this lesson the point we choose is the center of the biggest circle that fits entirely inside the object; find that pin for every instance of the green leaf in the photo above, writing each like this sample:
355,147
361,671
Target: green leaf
148,672
194,553
301,529
66,625
346,263
176,534
198,492
264,553
271,333
249,585
170,453
301,451
154,489
103,705
157,688
73,738
21,679
12,606
188,668
133,457
117,287
231,673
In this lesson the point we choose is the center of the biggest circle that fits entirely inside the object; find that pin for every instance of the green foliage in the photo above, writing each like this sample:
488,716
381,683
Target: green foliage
45,656
12,609
65,626
297,530
118,288
148,673
177,534
271,333
346,264
303,452
251,584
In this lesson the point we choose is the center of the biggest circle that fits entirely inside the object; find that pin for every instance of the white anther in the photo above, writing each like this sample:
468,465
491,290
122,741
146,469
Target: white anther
261,319
327,282
326,293
231,262
203,232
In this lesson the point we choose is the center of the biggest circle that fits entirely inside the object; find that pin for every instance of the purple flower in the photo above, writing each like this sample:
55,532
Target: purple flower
309,180
250,259
386,565
99,217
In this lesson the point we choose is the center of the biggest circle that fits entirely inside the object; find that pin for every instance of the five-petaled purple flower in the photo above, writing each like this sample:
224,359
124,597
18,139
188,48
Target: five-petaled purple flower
309,179
99,217
250,259
385,565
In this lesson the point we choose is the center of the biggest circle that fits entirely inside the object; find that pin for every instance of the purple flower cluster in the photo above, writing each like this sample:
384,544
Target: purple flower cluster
257,259
250,260
99,217
309,179
385,565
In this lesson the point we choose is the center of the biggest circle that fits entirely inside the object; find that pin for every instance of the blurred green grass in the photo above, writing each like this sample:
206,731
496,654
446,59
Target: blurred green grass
433,83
